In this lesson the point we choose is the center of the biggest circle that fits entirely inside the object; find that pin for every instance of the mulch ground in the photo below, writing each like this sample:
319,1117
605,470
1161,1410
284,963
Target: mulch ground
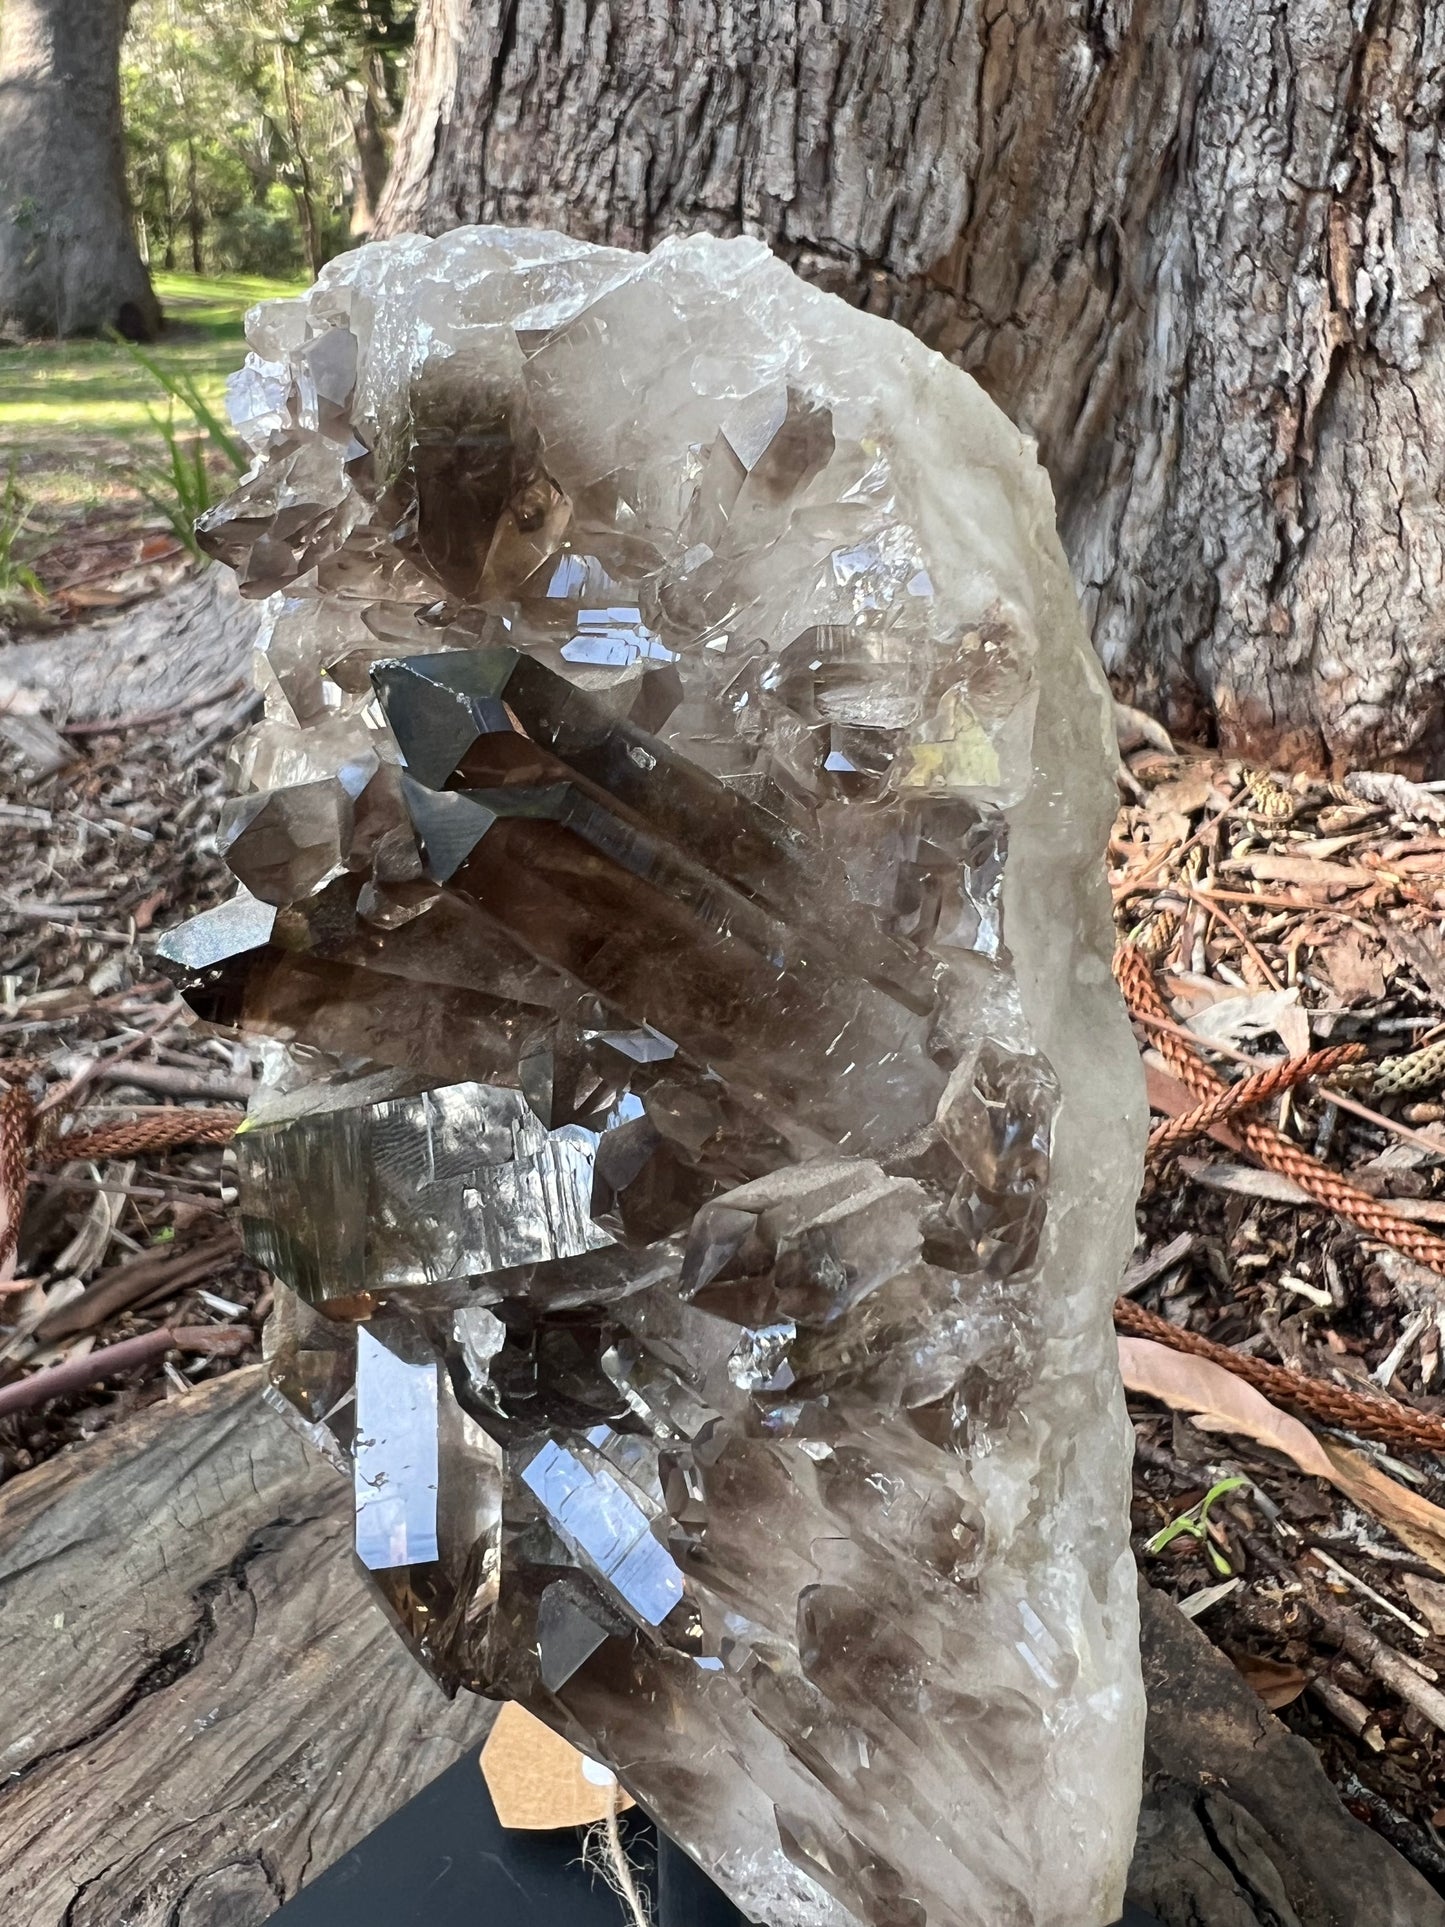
1279,917
99,857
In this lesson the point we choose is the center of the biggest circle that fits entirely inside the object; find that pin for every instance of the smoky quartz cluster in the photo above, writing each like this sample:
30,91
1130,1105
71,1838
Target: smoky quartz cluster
698,1132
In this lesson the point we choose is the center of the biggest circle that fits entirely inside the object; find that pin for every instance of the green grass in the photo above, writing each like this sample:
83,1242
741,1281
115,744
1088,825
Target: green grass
73,414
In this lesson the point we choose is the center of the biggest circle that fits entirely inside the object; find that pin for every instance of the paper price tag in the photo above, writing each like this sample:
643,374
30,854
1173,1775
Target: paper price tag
537,1781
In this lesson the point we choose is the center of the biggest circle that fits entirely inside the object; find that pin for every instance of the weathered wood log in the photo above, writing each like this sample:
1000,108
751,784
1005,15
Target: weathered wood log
1240,1826
178,652
202,1704
203,1707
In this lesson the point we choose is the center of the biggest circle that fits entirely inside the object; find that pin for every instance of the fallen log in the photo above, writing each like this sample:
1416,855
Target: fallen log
202,1706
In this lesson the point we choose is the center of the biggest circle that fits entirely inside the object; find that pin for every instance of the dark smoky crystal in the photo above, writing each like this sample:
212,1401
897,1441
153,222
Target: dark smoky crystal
698,1132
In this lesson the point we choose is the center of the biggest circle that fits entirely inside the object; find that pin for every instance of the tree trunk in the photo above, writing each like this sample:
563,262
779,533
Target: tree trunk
68,259
302,187
1193,245
373,149
195,213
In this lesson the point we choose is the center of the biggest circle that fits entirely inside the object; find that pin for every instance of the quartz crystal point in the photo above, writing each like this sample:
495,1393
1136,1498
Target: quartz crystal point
699,1133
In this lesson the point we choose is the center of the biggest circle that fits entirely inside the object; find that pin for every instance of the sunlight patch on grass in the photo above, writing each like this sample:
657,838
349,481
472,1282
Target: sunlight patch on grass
72,412
95,386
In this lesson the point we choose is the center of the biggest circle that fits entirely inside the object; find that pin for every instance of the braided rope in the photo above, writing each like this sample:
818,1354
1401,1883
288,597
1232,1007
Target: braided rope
1274,1150
17,1115
1256,1089
158,1130
1386,1420
26,1138
16,1068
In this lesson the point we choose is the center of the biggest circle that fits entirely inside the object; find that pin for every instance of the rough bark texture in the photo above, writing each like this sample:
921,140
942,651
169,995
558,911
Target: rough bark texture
1240,1827
182,650
68,259
1193,245
203,1708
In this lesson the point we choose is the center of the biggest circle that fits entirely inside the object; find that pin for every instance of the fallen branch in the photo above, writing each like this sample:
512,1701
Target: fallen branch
156,1274
1392,1669
76,1373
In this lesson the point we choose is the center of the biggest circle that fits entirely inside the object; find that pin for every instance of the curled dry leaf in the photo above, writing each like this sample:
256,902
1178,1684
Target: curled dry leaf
1238,1020
1397,793
1276,1683
1225,1403
1311,871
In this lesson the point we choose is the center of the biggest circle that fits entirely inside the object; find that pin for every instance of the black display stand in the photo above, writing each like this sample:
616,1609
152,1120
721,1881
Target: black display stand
444,1861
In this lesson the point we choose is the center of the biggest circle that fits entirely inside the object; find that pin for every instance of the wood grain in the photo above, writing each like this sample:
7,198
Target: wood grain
202,1705
203,1708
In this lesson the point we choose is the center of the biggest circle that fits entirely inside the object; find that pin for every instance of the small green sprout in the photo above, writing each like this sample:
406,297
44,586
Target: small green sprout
1195,1524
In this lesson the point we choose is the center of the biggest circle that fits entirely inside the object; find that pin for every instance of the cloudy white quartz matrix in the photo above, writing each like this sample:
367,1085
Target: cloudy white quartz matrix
701,1134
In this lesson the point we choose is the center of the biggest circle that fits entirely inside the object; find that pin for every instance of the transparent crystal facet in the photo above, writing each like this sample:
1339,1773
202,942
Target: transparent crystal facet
699,1135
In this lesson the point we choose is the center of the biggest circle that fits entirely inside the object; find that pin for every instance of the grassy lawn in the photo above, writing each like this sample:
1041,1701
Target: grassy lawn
73,414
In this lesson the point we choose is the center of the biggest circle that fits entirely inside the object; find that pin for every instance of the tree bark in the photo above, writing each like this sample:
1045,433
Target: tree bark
1194,246
68,258
369,126
195,212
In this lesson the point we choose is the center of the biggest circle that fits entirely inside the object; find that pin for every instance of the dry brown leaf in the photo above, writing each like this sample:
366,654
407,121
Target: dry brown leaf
1244,1181
1357,968
1190,1384
1415,1522
1427,1596
1275,1682
1198,1385
1310,870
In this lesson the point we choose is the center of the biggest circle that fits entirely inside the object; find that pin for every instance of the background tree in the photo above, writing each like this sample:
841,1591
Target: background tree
68,259
1193,245
258,131
377,37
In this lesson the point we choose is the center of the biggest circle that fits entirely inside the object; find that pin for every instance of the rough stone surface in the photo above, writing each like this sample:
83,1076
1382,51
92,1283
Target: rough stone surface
699,1147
